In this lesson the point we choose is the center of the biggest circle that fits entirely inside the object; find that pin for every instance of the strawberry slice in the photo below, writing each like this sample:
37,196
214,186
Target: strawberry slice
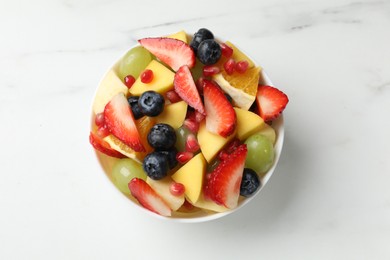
271,102
148,198
173,52
102,146
185,87
220,116
223,184
120,121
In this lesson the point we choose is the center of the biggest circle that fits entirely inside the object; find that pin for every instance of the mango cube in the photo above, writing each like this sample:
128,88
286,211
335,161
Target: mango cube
173,114
248,123
161,83
191,176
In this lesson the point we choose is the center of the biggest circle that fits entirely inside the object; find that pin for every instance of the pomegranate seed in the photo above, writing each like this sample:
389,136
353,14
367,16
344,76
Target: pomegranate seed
172,96
199,117
192,144
191,124
147,76
226,50
210,70
199,85
103,131
241,66
229,66
183,157
188,205
129,81
177,189
99,119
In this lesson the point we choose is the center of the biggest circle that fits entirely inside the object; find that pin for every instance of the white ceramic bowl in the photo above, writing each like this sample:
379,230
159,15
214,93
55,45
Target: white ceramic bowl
107,162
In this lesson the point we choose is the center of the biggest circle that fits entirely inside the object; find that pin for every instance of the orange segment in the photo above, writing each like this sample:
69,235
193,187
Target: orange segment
247,82
143,125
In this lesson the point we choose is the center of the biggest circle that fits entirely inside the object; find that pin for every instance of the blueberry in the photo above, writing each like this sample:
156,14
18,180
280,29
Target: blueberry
209,52
155,165
151,103
229,98
199,36
133,102
171,156
162,136
250,182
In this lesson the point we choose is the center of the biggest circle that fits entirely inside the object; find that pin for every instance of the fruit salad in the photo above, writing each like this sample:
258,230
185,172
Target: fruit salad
183,124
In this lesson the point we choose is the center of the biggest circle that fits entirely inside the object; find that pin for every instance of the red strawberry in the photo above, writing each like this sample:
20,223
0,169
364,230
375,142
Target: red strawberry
102,146
271,102
173,52
148,198
223,184
185,87
220,115
120,121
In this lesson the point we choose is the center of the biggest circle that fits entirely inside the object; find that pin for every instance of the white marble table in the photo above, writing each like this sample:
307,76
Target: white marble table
329,197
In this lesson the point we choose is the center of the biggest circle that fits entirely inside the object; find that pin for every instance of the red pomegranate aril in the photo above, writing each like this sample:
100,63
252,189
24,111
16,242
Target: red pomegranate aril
177,189
188,205
191,124
172,96
147,76
99,119
103,131
241,66
210,70
226,50
183,157
129,81
192,144
229,66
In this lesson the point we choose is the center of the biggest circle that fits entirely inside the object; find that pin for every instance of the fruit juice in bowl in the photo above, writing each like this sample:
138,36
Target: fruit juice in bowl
188,128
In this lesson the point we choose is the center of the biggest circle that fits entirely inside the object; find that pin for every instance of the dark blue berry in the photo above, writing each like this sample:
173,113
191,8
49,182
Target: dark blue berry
162,136
133,102
250,182
151,103
155,165
171,156
199,36
229,98
209,52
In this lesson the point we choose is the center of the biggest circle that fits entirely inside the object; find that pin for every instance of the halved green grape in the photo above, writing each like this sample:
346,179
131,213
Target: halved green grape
181,138
260,153
134,62
124,171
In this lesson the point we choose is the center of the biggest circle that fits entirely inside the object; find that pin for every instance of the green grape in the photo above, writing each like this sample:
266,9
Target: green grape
124,171
181,138
134,62
260,153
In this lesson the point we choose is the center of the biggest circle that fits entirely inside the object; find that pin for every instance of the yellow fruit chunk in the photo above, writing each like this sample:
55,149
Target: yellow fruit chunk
161,83
182,36
162,187
239,55
191,176
124,149
269,132
210,144
109,87
248,123
173,114
242,87
209,205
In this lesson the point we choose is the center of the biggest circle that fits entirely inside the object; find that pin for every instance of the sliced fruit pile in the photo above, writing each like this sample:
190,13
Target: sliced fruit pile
189,123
